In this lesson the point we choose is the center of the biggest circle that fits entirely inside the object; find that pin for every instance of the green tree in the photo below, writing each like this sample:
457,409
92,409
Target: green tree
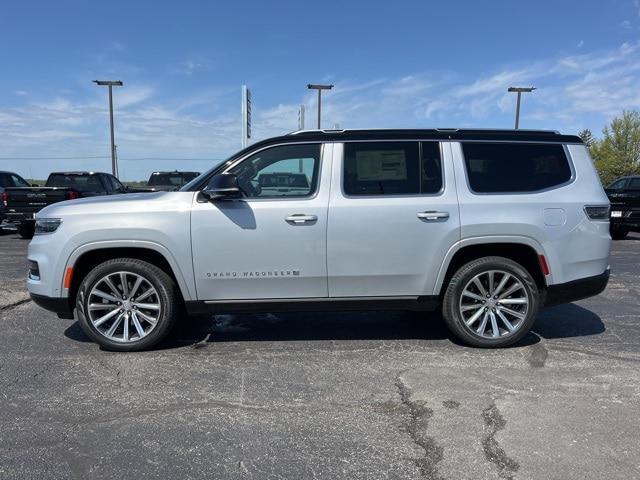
587,137
618,152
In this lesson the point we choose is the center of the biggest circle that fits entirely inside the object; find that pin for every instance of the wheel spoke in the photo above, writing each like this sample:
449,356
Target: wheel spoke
490,282
478,284
494,325
469,294
513,288
113,287
104,295
514,301
503,281
136,323
114,326
145,295
135,287
474,317
125,330
147,306
483,324
475,306
102,306
125,286
104,318
512,312
146,317
504,319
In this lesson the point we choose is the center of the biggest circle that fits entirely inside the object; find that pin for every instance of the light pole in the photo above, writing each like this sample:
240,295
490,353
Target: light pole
519,91
319,87
111,84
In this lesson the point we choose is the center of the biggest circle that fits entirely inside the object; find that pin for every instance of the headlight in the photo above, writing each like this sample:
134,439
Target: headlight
47,225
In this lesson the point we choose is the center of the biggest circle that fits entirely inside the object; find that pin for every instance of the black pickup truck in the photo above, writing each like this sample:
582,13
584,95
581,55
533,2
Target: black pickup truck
624,195
21,203
167,181
8,180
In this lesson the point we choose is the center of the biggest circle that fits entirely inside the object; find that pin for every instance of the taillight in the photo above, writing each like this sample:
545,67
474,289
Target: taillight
5,198
71,194
597,212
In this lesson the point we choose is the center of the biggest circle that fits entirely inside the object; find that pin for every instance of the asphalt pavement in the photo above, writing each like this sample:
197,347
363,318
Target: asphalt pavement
347,395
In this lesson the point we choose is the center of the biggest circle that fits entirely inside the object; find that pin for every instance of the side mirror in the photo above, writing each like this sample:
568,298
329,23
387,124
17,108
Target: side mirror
222,187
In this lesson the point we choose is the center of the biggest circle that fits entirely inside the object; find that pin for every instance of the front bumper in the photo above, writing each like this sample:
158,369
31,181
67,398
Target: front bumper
576,289
59,305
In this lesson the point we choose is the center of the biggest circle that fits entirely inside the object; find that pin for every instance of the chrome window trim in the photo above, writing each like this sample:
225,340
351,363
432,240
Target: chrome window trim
571,180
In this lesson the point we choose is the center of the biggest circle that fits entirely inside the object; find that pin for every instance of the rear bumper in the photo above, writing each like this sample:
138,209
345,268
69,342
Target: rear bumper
58,305
576,289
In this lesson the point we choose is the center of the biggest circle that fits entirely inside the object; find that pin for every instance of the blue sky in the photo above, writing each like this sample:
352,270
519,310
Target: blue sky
394,64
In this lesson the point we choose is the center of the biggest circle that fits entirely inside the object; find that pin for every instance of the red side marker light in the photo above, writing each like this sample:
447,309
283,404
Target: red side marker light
544,265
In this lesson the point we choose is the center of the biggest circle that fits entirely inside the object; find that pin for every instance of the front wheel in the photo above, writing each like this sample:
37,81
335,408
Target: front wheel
127,304
491,302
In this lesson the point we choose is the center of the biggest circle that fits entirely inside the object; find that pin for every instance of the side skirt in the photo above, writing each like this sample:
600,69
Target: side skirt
323,304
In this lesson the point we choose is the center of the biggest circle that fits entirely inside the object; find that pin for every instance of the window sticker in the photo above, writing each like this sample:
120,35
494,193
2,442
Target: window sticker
381,165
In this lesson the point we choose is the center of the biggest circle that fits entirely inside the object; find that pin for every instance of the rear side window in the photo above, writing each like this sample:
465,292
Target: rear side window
392,168
515,167
634,184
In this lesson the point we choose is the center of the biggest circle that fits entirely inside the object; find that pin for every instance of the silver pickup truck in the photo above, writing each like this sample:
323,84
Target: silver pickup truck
487,225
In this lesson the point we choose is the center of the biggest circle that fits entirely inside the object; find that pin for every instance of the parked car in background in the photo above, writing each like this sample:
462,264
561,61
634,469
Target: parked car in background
167,181
8,180
624,195
487,225
22,203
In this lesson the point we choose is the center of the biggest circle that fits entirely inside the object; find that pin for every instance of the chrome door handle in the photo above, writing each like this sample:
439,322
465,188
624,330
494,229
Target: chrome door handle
301,218
432,215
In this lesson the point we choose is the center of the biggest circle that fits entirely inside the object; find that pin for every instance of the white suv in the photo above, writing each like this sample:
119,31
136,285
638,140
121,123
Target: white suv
489,225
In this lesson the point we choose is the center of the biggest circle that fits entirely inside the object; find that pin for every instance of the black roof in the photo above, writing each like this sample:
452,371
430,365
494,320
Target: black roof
77,172
459,134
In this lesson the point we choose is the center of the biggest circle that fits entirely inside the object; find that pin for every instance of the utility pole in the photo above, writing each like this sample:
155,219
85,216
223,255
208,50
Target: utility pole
519,91
246,115
319,88
301,118
111,84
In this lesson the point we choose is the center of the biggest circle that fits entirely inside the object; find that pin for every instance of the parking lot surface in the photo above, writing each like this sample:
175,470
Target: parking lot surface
345,395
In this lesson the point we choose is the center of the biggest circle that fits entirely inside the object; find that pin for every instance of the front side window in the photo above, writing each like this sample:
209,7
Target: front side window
515,167
392,168
284,171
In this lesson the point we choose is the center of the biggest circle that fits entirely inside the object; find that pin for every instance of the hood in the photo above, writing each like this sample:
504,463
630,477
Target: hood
114,204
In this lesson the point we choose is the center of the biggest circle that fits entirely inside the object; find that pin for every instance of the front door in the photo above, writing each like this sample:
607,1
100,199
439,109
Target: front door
271,244
393,215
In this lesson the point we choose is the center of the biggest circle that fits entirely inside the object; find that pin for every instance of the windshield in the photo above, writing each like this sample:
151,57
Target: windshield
75,181
176,179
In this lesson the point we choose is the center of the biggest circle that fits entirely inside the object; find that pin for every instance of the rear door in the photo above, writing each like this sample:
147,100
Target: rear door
393,215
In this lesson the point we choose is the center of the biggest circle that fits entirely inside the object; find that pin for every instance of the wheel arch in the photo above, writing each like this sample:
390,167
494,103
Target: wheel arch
85,258
522,250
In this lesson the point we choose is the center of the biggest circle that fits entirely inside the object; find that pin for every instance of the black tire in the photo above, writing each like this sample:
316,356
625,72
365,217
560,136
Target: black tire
618,233
26,230
465,274
167,293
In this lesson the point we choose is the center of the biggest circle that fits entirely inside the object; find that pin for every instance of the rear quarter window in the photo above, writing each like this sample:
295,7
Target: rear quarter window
515,167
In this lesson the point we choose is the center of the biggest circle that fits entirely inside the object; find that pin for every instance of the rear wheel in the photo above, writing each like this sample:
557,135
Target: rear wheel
26,230
491,302
618,233
127,304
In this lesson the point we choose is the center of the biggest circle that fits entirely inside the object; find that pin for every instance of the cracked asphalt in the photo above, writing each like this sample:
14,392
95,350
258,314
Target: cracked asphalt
346,395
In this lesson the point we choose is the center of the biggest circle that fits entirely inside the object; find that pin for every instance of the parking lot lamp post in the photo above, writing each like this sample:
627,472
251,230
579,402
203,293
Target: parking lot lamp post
519,91
319,88
111,84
